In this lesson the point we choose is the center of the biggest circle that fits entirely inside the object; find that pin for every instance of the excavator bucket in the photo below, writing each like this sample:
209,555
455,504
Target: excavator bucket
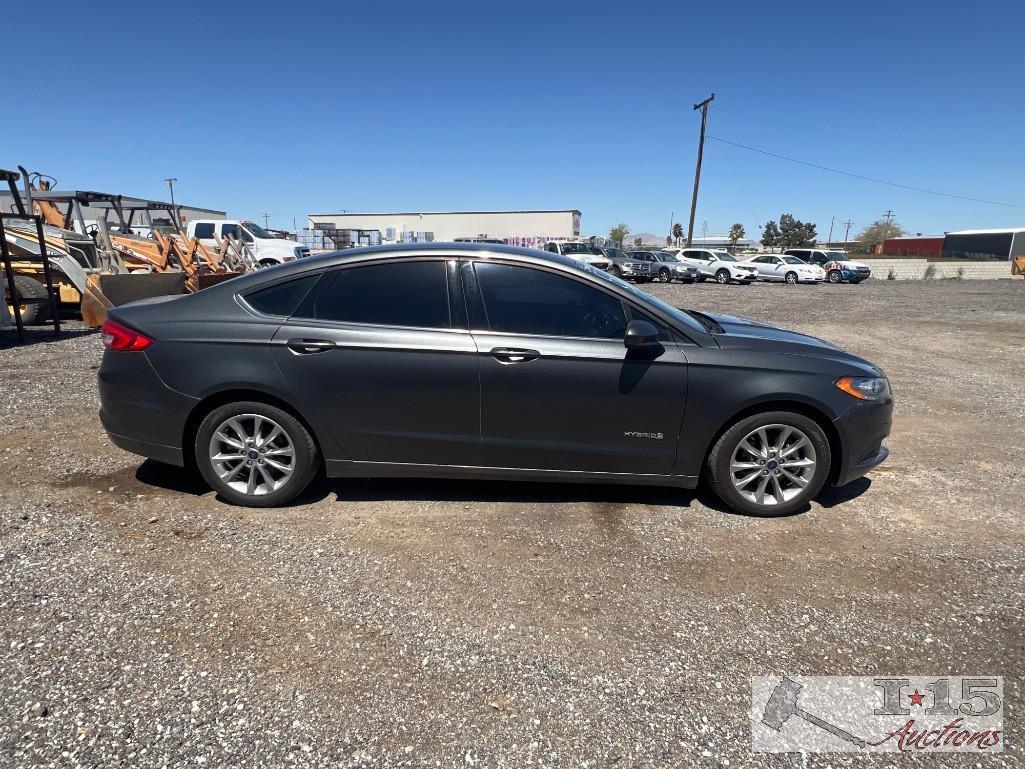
207,279
105,291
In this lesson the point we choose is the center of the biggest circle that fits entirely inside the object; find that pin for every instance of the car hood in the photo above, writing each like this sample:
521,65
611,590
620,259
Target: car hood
741,333
850,264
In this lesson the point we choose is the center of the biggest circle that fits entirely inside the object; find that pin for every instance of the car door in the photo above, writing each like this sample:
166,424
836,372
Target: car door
768,267
699,259
559,390
379,354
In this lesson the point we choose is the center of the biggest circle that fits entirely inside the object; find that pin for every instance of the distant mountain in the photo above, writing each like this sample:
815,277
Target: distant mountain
647,238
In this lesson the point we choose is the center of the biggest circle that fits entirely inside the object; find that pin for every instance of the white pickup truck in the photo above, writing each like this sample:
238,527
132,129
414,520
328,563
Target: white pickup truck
267,249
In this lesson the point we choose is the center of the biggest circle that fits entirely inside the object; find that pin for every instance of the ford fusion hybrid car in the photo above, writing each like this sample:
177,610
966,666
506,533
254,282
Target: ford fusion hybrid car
465,360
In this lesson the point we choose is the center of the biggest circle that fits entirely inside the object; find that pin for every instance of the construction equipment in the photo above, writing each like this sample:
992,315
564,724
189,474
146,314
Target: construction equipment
97,268
1018,264
23,298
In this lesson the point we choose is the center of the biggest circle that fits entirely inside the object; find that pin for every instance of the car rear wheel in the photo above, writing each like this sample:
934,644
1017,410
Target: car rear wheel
835,276
255,454
770,464
791,278
722,276
665,276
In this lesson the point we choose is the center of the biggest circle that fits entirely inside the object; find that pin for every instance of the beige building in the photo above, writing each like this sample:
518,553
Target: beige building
524,228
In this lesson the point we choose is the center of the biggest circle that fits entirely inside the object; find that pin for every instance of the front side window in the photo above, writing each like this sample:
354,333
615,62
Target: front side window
229,230
392,294
522,300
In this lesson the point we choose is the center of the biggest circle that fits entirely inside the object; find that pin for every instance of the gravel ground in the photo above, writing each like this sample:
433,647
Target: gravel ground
414,623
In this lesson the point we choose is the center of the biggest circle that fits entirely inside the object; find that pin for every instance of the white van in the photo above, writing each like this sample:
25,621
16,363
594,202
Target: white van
268,249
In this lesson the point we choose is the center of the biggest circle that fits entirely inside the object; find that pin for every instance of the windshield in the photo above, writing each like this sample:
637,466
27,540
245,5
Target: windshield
615,253
674,312
724,256
835,255
793,260
575,248
258,231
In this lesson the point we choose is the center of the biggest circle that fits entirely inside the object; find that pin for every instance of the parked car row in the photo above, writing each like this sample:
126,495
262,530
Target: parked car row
687,265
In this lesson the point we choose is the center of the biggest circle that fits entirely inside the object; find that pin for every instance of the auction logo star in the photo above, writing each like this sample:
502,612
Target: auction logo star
916,698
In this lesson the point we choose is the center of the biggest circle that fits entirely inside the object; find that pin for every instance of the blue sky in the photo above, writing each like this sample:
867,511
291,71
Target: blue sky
295,108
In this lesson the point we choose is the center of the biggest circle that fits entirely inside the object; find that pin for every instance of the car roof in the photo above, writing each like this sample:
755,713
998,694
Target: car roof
397,251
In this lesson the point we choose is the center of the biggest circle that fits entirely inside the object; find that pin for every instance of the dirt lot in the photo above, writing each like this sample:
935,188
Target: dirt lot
144,623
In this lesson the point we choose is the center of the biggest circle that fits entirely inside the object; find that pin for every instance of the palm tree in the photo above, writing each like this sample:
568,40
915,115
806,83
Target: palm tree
736,233
677,232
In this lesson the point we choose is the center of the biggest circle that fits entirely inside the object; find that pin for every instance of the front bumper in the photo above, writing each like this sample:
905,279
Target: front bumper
862,429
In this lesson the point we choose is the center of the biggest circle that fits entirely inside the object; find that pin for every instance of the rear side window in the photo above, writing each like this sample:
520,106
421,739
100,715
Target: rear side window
521,300
204,230
228,230
282,298
393,294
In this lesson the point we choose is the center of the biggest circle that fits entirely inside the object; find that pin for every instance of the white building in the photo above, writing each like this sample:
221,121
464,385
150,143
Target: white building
525,228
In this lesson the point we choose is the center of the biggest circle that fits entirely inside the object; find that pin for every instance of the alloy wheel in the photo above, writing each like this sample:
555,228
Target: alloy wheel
665,276
252,454
791,278
834,276
722,276
772,464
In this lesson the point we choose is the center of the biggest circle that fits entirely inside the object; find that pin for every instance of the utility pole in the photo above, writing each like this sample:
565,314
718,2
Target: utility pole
174,208
703,106
847,232
888,216
830,238
266,221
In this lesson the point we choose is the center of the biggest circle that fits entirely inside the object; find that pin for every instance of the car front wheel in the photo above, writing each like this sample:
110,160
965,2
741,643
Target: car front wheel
665,276
255,454
835,276
722,276
791,278
770,464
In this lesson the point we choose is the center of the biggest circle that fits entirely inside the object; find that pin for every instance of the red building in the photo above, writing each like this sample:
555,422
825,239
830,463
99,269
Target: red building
928,247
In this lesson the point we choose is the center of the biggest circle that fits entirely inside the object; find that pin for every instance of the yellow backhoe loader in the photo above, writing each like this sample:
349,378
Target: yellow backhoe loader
95,268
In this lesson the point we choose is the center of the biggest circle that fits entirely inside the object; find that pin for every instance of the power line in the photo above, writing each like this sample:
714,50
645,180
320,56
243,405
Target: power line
866,178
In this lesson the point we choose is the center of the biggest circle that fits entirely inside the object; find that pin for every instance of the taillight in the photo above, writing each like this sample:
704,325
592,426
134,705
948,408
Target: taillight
118,337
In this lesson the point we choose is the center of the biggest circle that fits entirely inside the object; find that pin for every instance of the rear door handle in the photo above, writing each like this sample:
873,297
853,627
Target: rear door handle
309,346
514,354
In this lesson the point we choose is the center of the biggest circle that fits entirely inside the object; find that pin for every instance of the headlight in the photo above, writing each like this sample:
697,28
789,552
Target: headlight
628,265
865,388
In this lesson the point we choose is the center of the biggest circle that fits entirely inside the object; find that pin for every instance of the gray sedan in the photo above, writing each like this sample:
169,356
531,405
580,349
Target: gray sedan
460,360
665,267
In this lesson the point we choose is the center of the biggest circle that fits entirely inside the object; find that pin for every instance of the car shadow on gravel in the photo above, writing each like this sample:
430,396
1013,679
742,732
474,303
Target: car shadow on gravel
188,481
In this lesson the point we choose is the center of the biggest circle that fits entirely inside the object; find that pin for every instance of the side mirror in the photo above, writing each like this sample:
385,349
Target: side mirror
639,335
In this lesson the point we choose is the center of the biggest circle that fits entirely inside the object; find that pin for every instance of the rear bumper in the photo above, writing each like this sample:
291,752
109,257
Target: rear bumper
140,413
171,455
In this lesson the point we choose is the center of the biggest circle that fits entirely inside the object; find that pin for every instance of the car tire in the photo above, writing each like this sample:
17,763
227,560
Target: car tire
791,278
617,272
665,276
722,276
738,486
268,263
835,276
29,288
255,420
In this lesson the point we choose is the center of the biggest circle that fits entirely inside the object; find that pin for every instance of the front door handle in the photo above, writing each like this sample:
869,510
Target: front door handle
514,354
309,346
